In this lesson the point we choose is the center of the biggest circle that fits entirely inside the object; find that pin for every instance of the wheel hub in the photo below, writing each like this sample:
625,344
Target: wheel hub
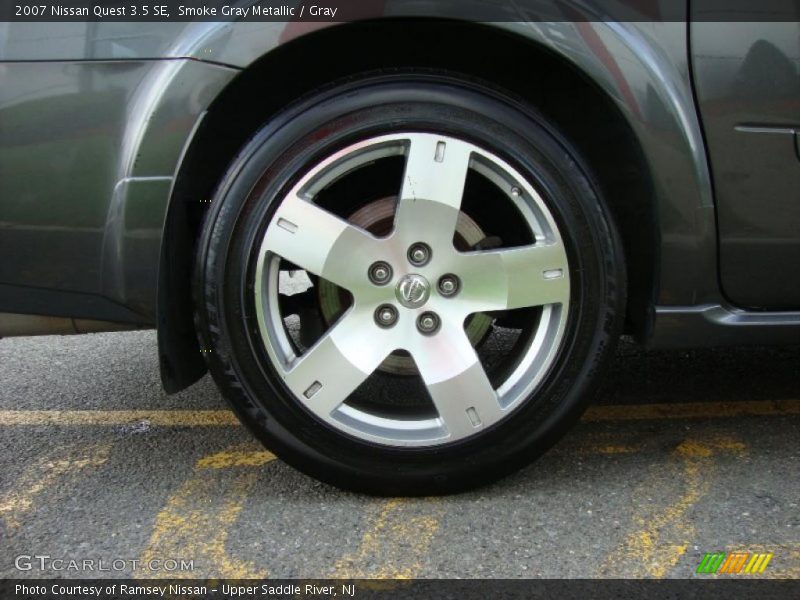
377,217
413,290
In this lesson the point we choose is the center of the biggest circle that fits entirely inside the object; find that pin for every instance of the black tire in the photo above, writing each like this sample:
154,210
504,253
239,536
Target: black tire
340,115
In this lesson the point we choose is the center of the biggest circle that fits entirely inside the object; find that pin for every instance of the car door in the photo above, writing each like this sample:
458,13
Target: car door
747,78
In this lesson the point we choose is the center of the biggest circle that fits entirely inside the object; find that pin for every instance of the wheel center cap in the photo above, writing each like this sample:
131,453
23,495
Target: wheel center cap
413,290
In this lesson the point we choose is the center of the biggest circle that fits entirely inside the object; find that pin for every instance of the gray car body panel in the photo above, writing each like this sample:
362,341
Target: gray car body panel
88,152
748,88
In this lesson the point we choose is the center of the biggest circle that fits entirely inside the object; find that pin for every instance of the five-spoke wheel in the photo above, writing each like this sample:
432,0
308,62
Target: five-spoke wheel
416,286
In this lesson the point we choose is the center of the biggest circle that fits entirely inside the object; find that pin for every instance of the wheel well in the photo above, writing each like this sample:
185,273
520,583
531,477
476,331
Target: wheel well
575,104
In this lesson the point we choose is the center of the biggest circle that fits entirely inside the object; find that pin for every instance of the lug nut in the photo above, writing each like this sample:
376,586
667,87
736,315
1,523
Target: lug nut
419,254
448,285
386,315
380,273
428,323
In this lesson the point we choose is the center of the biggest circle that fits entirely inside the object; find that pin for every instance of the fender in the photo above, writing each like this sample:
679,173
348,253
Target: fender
163,113
642,67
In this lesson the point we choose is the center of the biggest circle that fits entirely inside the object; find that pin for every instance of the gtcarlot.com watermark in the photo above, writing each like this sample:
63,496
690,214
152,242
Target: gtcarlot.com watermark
50,564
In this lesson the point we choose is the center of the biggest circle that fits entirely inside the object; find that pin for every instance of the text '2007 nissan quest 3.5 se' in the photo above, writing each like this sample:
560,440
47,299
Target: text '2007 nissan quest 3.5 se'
404,245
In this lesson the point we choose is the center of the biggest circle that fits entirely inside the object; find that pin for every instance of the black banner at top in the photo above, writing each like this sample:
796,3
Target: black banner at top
355,10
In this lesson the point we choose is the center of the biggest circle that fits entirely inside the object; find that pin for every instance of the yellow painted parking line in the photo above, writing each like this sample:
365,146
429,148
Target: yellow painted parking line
396,541
45,473
196,519
165,418
661,534
602,448
691,410
225,418
235,458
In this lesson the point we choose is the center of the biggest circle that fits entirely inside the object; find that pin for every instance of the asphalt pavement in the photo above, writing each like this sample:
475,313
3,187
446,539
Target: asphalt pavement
686,453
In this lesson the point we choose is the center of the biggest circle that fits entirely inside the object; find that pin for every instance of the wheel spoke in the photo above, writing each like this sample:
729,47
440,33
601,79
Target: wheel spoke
433,186
515,277
457,382
320,242
337,364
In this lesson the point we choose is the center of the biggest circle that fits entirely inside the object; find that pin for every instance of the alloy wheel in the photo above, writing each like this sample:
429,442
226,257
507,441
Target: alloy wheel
414,294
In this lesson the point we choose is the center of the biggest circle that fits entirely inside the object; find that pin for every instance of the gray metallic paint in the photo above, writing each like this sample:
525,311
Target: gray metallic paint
748,86
88,152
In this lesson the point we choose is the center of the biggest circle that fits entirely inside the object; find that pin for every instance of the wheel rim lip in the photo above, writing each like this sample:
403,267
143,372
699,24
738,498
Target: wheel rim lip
538,356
